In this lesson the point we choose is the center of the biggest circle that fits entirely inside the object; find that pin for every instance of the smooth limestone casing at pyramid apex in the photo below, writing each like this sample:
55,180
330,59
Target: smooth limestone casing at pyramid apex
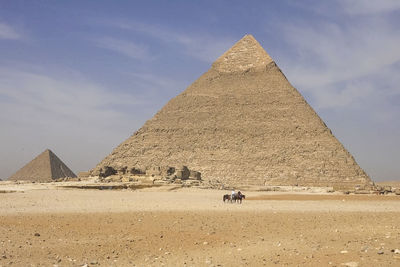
241,123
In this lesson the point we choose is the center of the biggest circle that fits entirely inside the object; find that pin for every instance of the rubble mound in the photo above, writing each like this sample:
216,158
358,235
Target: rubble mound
155,175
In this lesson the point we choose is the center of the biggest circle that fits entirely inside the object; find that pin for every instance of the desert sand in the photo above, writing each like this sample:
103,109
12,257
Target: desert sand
42,224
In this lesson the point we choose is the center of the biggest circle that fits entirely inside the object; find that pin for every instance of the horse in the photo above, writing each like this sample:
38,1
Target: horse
238,197
226,198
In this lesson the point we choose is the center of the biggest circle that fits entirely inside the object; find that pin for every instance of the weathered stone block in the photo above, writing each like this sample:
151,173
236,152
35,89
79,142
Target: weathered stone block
182,173
137,171
121,170
107,171
195,175
84,174
153,171
167,170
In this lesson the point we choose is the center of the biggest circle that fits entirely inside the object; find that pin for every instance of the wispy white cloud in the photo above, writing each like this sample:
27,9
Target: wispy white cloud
151,80
345,59
73,98
126,48
362,7
331,59
9,33
64,112
358,8
200,45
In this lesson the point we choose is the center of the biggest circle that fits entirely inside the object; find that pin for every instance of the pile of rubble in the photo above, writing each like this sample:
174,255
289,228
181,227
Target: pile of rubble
376,189
384,190
155,175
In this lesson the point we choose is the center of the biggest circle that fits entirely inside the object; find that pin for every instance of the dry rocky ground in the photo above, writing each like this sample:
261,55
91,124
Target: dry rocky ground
49,226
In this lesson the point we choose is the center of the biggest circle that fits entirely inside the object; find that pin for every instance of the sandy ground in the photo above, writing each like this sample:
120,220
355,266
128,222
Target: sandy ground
72,227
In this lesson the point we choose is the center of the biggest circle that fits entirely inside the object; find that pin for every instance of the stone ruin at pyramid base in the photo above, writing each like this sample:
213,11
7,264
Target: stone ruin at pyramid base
183,175
293,178
154,175
339,185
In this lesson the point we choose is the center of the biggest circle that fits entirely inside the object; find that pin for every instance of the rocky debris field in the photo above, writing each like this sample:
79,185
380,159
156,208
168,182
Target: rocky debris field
200,238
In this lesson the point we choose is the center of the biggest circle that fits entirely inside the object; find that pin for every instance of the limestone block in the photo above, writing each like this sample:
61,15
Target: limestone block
182,173
137,171
153,171
84,174
195,175
107,171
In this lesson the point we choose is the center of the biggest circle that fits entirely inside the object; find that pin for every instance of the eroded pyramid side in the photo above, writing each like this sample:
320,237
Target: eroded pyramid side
242,122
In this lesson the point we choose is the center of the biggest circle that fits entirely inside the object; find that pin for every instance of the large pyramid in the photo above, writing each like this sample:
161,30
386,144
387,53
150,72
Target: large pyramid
45,167
241,122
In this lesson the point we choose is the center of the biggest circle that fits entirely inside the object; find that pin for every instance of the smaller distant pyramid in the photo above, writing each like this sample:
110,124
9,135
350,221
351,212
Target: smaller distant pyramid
45,167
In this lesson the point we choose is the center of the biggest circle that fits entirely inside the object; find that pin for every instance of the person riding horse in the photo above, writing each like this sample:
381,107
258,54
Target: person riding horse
239,196
230,197
234,197
233,193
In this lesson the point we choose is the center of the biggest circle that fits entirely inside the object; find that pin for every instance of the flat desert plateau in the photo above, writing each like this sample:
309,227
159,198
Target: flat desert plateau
47,225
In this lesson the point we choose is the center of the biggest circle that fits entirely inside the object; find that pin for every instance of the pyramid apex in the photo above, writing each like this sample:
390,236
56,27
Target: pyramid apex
246,54
46,152
247,36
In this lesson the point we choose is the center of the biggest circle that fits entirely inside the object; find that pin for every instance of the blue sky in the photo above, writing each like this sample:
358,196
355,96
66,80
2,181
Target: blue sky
79,77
